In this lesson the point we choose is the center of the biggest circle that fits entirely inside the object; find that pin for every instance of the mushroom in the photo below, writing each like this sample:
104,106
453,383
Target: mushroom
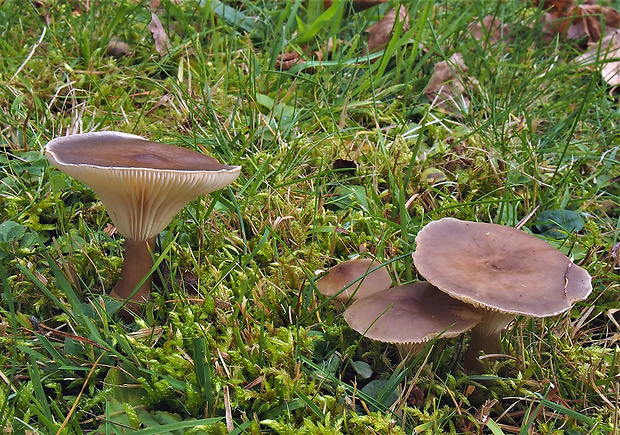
142,185
503,271
410,315
354,279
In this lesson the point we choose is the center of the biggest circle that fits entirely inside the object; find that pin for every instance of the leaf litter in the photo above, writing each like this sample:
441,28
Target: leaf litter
380,33
448,86
160,37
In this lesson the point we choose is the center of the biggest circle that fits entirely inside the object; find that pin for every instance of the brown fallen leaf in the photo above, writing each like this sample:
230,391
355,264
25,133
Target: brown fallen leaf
490,31
589,21
160,38
155,4
559,8
608,51
592,22
164,100
110,230
611,70
289,59
379,34
446,89
182,278
117,48
556,19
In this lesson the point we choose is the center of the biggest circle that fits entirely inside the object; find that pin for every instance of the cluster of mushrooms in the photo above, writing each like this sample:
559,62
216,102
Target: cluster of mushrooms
479,277
143,185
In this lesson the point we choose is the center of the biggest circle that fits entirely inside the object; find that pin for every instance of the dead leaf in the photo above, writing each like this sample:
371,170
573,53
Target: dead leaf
490,30
155,4
160,38
589,21
118,48
181,278
379,34
416,398
592,22
446,89
161,102
289,59
556,19
483,414
559,8
609,49
110,230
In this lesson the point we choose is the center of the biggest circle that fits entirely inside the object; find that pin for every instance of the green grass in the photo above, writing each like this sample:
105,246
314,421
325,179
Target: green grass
245,343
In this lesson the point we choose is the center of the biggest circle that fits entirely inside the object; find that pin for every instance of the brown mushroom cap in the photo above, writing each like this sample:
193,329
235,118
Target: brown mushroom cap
412,313
142,184
344,276
499,268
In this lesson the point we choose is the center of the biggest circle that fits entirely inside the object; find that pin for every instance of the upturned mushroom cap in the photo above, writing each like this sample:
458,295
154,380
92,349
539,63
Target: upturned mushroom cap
499,268
408,314
142,184
345,274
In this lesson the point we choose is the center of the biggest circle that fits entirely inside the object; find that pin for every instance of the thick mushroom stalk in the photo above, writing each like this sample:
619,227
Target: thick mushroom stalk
485,337
137,264
143,185
501,270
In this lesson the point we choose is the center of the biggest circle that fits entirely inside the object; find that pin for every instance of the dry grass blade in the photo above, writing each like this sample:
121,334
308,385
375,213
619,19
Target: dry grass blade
79,396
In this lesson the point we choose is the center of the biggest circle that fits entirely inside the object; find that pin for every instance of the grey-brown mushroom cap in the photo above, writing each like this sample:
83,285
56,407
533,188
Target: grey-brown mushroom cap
412,313
345,274
142,184
499,268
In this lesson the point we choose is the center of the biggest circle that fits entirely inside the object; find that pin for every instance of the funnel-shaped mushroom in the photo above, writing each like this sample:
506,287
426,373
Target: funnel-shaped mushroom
354,279
142,185
410,315
501,270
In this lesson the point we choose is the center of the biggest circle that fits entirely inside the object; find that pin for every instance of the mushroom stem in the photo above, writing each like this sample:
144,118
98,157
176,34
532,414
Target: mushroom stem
137,264
485,337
